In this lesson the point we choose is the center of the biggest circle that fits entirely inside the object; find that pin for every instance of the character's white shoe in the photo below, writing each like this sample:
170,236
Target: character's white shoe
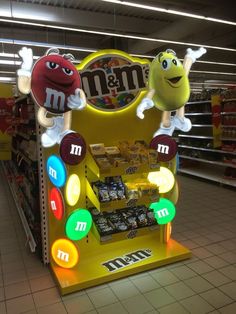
163,130
182,124
50,137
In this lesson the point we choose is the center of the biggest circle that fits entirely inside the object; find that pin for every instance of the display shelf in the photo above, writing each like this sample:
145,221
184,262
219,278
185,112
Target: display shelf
208,149
13,189
224,164
125,235
209,174
228,126
117,204
120,170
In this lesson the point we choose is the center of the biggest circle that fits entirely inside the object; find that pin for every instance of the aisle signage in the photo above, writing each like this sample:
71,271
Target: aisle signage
165,146
164,211
72,149
78,224
112,79
56,203
64,253
56,171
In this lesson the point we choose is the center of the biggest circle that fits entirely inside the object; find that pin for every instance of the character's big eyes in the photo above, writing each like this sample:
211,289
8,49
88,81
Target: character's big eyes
52,65
176,62
166,64
67,71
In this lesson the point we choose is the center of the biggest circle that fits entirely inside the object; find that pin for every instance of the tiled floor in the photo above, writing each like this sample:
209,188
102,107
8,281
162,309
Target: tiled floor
205,222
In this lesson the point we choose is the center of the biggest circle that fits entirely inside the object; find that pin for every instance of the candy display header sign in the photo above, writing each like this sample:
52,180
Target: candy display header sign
112,79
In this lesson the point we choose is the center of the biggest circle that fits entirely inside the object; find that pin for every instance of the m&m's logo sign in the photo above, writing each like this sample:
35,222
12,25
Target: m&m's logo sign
112,79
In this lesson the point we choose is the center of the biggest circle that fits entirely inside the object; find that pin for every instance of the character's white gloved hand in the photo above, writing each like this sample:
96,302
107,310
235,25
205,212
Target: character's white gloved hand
26,55
145,104
195,54
77,101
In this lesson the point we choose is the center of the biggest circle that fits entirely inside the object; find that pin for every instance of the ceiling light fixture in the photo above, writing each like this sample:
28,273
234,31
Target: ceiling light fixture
43,45
169,11
80,30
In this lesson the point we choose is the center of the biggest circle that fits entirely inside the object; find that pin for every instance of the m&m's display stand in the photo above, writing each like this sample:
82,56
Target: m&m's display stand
111,187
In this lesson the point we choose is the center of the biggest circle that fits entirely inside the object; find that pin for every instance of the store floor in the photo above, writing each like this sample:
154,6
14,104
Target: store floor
205,223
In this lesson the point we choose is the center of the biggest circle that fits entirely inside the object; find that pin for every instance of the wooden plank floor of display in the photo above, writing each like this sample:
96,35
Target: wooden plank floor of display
117,260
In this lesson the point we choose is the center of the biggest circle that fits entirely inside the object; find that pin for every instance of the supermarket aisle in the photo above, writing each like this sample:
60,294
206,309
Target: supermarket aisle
205,222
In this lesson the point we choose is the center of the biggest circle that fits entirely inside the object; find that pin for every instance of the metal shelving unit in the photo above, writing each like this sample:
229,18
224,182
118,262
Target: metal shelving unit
208,174
31,214
15,192
196,158
223,164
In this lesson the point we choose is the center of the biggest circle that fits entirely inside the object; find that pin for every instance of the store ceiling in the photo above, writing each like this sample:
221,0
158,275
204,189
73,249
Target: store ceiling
118,21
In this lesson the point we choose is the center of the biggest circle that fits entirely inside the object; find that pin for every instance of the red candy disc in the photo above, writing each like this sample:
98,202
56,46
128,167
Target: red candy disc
56,203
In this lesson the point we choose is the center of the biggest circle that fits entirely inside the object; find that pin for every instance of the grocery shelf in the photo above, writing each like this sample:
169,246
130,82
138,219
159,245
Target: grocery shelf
20,99
202,125
198,102
228,100
198,114
117,204
208,149
224,164
196,136
224,113
228,139
209,174
27,158
29,235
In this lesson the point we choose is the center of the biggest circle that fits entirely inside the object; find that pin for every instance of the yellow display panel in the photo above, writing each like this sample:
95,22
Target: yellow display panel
148,248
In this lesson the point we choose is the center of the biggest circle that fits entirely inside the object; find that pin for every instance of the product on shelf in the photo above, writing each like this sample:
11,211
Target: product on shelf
114,189
123,219
126,153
